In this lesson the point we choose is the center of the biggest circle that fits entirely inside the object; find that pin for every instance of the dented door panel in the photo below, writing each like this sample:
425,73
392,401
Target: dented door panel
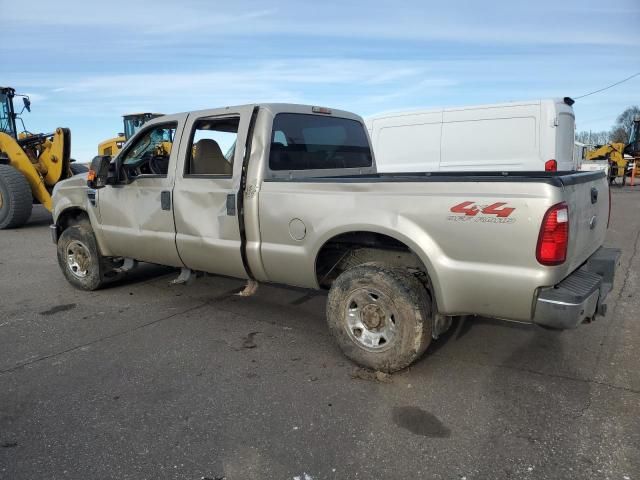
134,225
206,214
133,222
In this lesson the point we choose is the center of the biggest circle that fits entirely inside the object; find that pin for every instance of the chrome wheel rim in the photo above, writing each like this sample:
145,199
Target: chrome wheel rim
371,319
78,258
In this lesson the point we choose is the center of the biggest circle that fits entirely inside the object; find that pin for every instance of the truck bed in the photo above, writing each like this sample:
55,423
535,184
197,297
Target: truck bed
467,255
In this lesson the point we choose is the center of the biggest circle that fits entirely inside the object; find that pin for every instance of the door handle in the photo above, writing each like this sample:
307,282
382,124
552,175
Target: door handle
91,195
165,200
231,204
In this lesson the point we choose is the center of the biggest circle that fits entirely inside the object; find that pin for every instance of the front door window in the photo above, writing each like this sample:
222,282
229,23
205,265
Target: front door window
149,154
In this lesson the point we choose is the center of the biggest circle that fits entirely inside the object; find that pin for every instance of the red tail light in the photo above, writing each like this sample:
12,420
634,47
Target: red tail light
550,166
554,236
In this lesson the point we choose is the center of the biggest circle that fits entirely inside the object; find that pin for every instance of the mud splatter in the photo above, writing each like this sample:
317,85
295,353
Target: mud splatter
371,375
248,340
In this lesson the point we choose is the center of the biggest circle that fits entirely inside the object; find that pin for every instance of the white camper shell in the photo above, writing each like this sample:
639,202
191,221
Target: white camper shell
520,136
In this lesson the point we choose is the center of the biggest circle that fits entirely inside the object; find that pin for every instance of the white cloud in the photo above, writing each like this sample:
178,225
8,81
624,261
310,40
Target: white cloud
544,22
276,80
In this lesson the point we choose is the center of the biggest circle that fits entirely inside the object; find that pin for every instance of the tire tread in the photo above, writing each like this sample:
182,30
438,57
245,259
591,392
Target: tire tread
20,201
410,291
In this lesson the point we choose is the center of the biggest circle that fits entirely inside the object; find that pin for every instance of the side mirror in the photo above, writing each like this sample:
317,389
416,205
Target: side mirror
27,103
99,174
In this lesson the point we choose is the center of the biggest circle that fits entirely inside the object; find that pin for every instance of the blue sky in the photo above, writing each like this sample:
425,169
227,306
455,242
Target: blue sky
87,63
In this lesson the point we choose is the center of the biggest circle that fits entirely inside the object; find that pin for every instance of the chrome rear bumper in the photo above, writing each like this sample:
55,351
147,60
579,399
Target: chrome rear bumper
581,295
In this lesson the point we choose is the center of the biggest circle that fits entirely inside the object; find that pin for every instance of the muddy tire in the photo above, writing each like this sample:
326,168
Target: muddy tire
380,316
79,258
16,200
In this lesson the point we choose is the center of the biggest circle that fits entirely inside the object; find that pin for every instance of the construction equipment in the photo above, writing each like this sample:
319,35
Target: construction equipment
633,149
132,123
30,163
615,154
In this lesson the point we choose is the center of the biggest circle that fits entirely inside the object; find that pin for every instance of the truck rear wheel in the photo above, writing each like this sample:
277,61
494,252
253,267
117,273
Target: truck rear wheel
16,200
79,258
380,316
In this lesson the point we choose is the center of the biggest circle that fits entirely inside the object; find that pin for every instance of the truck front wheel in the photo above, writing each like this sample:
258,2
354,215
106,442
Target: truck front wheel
380,316
79,259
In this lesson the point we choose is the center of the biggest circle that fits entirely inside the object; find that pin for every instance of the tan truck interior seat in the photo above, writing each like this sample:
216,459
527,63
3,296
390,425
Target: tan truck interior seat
208,159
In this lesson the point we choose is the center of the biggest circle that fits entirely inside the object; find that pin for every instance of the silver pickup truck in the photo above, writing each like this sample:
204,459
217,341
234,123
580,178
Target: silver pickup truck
290,194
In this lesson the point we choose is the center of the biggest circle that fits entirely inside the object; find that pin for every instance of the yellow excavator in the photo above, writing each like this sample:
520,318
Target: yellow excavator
615,154
132,124
30,163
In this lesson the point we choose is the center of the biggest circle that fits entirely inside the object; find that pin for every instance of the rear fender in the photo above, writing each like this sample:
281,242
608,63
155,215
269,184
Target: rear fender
411,235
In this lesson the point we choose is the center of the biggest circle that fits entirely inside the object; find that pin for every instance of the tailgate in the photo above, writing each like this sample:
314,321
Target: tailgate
588,199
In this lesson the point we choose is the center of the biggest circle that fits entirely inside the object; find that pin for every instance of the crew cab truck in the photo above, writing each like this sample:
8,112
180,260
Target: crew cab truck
296,200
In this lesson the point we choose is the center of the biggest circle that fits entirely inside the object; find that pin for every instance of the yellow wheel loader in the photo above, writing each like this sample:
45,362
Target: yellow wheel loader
30,164
132,124
615,154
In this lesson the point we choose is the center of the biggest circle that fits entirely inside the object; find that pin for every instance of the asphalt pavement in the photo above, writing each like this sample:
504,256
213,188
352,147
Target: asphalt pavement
144,380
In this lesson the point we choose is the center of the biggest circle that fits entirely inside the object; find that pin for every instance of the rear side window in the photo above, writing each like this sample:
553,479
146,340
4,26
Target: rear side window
213,146
312,142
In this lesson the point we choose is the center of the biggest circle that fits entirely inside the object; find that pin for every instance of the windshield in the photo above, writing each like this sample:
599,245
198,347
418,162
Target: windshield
132,125
7,124
635,132
633,147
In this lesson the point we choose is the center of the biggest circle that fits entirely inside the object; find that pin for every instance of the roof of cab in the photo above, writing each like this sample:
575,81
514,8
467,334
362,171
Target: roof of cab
275,108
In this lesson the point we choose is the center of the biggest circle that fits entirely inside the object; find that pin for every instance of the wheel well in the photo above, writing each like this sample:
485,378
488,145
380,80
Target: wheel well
355,248
71,216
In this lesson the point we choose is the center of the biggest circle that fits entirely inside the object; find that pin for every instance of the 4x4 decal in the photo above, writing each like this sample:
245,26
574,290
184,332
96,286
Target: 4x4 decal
470,211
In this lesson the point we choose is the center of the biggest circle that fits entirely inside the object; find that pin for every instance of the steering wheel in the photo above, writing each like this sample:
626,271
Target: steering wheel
157,164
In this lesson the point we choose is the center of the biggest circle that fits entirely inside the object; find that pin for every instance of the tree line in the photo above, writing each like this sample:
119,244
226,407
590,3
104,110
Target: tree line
619,133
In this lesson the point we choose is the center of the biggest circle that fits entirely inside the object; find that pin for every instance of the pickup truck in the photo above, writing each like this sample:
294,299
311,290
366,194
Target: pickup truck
290,194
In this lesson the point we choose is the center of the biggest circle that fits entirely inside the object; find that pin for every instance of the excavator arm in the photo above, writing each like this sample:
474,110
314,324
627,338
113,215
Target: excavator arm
611,152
